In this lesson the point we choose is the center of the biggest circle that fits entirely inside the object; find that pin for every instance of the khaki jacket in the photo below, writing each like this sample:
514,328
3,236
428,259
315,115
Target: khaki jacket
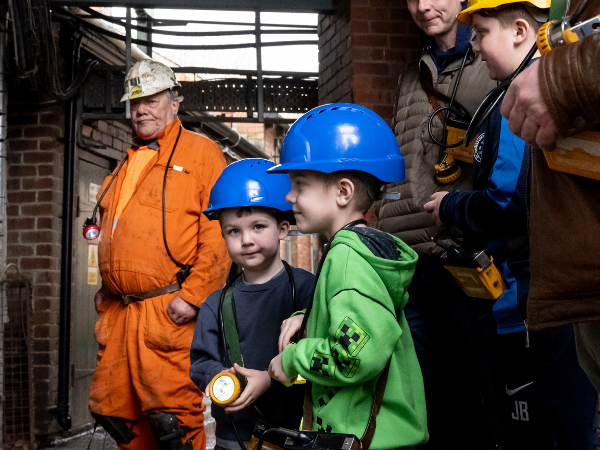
564,209
136,260
405,218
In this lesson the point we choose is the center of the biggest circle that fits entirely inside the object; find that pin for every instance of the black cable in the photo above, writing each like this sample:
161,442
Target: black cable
236,432
164,213
493,99
49,48
448,108
155,44
106,190
97,15
577,14
290,274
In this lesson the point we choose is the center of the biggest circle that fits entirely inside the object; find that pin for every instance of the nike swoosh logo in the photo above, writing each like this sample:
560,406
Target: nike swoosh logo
511,392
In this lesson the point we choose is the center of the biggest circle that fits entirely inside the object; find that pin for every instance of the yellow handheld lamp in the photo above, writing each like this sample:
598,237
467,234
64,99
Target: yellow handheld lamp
224,388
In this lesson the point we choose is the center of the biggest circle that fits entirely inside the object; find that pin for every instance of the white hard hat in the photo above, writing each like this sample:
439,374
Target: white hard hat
148,77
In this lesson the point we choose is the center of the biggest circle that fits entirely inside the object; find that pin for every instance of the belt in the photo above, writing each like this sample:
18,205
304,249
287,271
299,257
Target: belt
129,298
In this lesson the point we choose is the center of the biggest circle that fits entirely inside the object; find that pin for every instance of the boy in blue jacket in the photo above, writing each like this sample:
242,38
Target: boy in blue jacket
545,400
254,217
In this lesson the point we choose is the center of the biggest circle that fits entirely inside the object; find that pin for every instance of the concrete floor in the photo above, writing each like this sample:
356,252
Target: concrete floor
100,440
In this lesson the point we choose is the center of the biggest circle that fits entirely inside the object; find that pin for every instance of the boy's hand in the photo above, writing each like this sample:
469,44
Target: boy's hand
433,207
276,371
289,327
259,382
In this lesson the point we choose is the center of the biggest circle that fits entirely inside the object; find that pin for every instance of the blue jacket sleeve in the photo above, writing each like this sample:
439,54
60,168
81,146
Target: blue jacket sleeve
205,352
500,207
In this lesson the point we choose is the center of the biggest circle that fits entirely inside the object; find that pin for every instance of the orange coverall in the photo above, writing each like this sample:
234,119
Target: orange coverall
144,357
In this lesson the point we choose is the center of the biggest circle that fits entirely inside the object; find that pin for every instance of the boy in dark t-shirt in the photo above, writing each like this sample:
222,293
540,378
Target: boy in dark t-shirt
254,217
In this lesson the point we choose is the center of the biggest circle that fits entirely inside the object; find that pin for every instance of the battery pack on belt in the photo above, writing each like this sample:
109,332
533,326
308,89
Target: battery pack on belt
456,131
474,271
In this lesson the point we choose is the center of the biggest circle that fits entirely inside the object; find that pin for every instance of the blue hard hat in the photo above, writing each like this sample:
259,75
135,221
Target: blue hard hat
246,183
342,136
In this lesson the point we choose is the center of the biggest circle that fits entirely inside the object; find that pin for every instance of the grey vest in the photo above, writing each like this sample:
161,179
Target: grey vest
405,218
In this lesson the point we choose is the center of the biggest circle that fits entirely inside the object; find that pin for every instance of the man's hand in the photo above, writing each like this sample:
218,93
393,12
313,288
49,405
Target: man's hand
276,371
433,207
527,113
289,327
259,382
100,296
181,311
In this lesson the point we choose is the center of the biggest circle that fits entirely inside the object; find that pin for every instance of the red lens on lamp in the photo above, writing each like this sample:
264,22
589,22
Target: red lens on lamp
91,232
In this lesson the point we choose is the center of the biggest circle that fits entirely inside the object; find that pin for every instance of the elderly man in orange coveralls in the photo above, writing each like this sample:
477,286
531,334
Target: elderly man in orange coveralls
159,259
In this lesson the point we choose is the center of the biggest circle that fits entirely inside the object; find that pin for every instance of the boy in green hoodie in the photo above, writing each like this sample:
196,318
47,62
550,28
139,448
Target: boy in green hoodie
337,157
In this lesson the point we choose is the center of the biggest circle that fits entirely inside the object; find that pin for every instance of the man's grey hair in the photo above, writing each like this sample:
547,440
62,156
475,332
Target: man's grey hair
172,94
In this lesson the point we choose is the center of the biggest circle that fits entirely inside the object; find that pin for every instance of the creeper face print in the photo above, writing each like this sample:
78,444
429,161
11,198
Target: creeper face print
323,364
352,337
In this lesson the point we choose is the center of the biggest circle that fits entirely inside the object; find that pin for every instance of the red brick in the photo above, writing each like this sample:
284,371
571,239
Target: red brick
22,144
45,331
47,250
49,196
23,223
13,184
47,276
390,27
14,158
14,133
102,126
42,291
22,171
12,211
19,250
43,209
42,131
52,118
22,119
358,13
371,68
37,237
368,40
38,183
45,170
359,26
50,144
20,197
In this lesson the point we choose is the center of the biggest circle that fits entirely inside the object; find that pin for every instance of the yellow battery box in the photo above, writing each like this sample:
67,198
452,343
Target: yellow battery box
577,155
475,272
456,131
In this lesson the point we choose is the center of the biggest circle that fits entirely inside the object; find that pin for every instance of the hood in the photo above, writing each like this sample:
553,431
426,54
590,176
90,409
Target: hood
392,260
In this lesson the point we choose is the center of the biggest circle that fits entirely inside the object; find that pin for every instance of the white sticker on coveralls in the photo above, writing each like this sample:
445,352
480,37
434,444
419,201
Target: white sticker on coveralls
92,264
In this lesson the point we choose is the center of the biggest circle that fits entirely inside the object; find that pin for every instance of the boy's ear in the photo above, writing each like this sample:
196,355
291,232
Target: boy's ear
345,192
522,30
284,228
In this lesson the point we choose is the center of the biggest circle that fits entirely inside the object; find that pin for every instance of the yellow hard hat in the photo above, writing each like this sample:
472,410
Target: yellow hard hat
148,77
464,16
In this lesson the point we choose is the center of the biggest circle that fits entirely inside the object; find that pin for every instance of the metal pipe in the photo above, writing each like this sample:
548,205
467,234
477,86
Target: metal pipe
63,416
128,57
3,174
260,107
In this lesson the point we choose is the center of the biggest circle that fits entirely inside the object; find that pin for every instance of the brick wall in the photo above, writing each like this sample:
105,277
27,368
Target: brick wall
34,221
363,46
335,70
34,209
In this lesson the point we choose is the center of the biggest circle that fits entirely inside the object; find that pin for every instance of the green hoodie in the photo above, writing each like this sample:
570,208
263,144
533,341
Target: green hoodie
352,333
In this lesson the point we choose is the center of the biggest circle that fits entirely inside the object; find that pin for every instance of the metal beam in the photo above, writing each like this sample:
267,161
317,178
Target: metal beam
195,119
321,6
